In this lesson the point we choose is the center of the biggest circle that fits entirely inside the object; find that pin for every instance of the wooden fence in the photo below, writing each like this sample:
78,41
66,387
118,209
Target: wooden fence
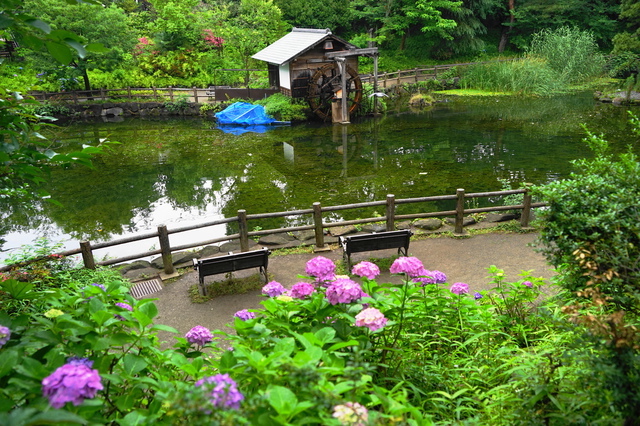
86,248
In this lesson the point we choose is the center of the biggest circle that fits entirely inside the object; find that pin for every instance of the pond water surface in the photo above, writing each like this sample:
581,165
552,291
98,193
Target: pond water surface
183,171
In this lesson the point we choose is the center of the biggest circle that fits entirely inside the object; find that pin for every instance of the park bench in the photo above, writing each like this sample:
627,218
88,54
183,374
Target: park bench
230,263
374,241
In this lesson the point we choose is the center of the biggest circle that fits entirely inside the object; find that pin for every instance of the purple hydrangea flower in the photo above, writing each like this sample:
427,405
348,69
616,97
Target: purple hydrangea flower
439,276
321,268
99,285
344,290
477,295
424,277
199,335
366,269
273,289
5,335
301,290
459,288
412,266
372,318
123,306
528,284
244,315
224,391
73,382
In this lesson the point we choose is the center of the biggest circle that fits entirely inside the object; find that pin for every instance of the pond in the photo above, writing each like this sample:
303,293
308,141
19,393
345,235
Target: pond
183,171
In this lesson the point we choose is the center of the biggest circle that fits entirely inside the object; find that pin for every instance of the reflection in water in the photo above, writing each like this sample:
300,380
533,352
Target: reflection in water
183,171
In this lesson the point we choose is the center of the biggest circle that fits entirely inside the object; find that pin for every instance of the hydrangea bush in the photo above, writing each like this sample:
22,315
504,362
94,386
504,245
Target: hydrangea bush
332,350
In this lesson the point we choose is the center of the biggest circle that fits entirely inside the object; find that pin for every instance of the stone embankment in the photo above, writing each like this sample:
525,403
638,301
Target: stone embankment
143,269
111,111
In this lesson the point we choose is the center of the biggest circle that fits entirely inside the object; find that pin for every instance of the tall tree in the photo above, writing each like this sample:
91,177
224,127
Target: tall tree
394,18
105,25
469,28
333,14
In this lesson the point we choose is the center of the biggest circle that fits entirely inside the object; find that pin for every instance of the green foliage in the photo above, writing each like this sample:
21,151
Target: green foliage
524,76
284,108
591,225
598,17
179,105
571,53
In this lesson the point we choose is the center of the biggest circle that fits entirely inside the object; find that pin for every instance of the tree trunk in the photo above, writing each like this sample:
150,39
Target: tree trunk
504,39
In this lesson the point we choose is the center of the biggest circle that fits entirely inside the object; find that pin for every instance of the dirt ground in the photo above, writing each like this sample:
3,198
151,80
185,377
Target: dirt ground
461,259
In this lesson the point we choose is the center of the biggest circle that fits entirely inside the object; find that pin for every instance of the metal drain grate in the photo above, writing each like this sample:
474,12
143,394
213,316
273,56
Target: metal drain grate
145,288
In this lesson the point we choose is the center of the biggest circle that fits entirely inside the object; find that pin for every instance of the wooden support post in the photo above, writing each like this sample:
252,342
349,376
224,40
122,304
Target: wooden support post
416,75
391,212
459,226
165,250
171,93
526,208
195,94
155,93
102,96
87,255
375,83
243,230
128,92
398,77
317,221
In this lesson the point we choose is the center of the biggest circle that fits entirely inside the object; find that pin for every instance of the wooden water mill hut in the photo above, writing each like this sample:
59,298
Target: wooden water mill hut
316,65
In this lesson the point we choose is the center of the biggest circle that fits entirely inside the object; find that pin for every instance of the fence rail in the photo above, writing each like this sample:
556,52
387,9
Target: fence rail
86,248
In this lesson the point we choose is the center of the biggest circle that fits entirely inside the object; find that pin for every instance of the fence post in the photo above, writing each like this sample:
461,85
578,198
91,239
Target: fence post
391,212
155,93
195,94
459,230
243,230
87,255
317,221
384,81
165,250
171,93
102,94
398,77
416,75
526,207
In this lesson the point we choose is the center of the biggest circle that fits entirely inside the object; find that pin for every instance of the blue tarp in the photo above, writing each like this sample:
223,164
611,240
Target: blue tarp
243,113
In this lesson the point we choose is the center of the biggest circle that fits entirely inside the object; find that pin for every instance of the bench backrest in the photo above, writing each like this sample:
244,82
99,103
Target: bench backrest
233,262
377,241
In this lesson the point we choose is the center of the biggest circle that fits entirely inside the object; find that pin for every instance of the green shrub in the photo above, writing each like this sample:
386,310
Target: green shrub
284,108
592,224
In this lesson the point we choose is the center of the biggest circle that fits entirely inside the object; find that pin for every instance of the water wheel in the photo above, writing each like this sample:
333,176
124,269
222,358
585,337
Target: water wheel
325,82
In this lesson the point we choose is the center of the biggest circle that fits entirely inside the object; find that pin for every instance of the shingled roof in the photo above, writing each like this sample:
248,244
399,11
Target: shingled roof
298,41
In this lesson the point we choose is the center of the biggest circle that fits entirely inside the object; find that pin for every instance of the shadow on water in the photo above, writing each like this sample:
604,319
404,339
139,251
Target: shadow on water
182,171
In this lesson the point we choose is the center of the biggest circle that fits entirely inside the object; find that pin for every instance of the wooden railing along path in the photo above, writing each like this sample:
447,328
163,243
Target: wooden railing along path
86,248
206,95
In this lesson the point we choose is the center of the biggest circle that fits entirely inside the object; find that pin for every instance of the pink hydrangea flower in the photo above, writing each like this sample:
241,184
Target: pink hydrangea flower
366,269
301,290
528,284
321,268
412,266
273,289
351,414
459,288
371,318
344,291
5,335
